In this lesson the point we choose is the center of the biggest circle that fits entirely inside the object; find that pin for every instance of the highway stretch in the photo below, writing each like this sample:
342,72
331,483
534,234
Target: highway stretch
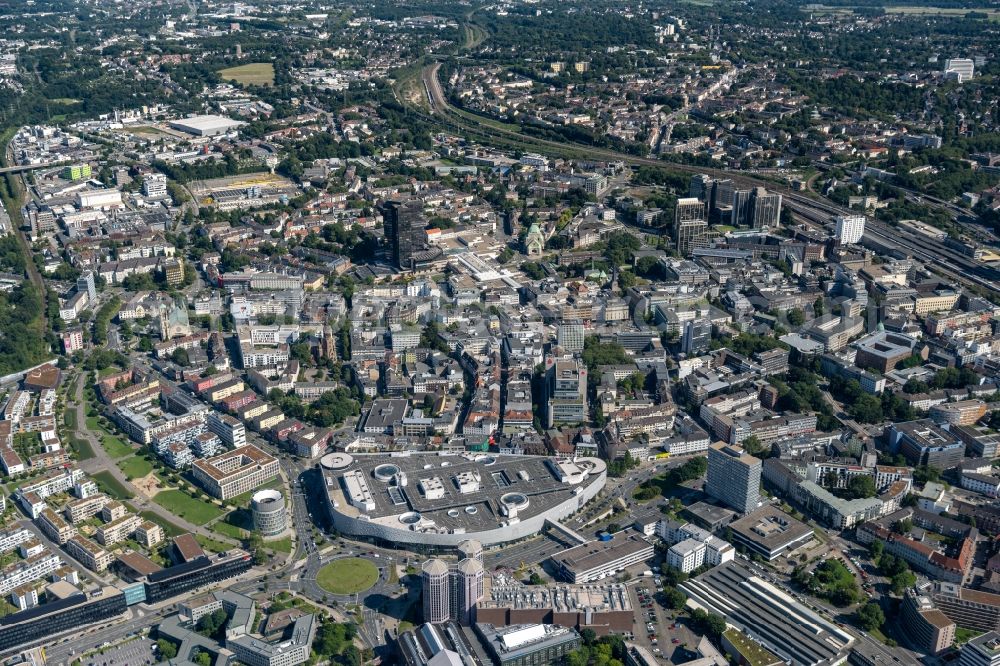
946,261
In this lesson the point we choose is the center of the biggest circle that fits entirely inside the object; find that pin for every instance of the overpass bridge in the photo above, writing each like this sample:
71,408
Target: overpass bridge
566,533
22,168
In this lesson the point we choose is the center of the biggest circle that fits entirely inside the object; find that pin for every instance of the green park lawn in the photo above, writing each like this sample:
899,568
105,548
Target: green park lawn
169,528
347,576
283,545
213,545
135,467
227,528
116,447
189,508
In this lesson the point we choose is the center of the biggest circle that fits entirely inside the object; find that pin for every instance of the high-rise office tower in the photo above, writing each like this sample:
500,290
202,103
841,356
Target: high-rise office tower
434,577
717,195
565,391
697,336
569,335
467,590
405,229
451,593
741,207
700,187
471,549
766,211
756,208
733,477
690,225
86,283
722,193
850,228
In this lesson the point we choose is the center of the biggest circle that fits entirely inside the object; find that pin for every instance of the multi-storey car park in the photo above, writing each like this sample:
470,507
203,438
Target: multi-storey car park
440,500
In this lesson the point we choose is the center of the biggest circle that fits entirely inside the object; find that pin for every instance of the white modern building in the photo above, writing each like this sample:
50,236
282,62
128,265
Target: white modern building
154,185
597,560
850,228
207,125
962,69
99,199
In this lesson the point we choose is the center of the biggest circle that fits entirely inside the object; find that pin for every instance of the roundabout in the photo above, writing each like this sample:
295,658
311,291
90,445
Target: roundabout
350,575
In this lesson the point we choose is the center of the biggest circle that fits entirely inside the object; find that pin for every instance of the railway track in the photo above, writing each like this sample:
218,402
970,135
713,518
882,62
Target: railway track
817,212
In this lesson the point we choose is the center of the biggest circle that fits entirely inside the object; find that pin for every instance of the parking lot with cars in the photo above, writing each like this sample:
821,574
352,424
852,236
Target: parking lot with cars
658,628
133,653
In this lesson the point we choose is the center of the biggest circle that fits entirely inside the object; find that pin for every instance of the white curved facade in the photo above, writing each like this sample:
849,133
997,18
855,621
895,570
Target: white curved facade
268,510
392,528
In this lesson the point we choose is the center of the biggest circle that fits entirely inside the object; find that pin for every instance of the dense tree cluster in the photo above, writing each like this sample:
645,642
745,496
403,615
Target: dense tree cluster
619,467
662,485
21,345
103,318
335,641
597,353
213,624
830,580
11,255
330,409
230,165
620,248
605,651
868,408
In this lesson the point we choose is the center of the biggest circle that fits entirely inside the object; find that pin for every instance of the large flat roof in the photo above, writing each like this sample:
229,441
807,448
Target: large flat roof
600,553
455,492
770,529
205,123
783,625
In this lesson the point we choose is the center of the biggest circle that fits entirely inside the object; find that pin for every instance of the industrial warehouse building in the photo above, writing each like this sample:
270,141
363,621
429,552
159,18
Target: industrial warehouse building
205,125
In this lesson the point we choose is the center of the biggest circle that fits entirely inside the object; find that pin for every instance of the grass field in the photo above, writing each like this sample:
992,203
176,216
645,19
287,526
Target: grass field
347,576
6,608
117,448
189,508
251,74
280,545
135,467
231,531
212,545
963,635
147,130
112,486
69,418
169,528
235,524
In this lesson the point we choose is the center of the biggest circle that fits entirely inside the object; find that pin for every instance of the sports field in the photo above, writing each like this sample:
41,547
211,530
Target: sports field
251,74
